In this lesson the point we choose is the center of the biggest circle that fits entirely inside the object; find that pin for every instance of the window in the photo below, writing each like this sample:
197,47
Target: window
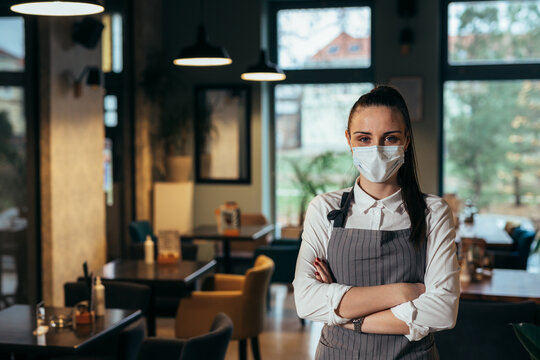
18,211
491,97
306,36
324,79
333,49
354,48
116,42
110,106
111,38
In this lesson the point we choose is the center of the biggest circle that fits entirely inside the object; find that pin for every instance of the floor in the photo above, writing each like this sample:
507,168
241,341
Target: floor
283,337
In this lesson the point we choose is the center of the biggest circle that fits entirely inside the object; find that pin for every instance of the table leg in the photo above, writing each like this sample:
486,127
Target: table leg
226,256
151,314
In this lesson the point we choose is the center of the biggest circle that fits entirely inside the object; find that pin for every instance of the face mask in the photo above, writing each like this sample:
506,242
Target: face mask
378,163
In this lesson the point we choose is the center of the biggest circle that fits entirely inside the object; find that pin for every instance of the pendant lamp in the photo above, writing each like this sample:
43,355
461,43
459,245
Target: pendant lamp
264,70
202,53
57,7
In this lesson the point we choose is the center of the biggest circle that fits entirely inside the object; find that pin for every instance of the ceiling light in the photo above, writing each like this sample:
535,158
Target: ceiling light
202,53
264,70
58,8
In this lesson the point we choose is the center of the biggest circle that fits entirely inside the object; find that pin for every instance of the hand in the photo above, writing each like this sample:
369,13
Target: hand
322,272
348,325
412,291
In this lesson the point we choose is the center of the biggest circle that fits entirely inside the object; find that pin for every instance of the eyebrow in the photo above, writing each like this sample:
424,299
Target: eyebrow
386,133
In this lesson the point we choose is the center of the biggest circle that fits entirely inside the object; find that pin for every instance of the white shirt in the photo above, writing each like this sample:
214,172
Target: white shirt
434,310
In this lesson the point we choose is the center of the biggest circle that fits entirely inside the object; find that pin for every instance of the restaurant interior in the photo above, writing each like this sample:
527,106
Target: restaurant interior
157,159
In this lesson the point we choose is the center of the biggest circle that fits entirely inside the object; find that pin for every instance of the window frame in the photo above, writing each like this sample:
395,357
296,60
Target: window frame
308,76
473,72
319,76
28,80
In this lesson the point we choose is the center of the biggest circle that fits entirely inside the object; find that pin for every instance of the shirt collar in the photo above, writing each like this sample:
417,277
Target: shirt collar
364,201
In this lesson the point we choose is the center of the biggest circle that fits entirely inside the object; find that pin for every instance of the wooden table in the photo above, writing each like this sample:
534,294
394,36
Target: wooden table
19,321
487,227
210,232
504,285
170,279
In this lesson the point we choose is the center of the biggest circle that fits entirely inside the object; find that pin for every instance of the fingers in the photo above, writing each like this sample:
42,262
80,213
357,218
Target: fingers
322,273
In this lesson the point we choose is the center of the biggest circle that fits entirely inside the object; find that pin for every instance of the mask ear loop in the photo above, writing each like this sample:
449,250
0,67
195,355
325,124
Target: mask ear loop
407,141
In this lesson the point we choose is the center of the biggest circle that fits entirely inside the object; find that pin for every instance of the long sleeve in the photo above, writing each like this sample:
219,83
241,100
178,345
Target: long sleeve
437,308
315,300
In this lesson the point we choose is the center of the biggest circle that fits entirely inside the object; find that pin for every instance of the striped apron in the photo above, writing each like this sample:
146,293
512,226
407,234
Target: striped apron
359,257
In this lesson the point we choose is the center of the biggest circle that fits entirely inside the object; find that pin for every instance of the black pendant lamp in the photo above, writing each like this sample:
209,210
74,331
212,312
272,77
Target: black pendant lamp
264,70
202,53
57,7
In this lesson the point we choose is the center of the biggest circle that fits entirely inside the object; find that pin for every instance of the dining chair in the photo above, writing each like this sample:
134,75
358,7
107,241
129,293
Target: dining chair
284,253
242,252
209,346
139,230
517,257
241,297
529,336
120,295
166,304
483,331
245,249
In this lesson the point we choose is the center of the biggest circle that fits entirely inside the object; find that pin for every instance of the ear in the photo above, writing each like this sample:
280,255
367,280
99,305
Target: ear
347,136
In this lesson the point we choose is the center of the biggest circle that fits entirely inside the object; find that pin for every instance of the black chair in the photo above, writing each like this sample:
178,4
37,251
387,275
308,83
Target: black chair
517,257
119,295
210,346
483,331
139,230
284,253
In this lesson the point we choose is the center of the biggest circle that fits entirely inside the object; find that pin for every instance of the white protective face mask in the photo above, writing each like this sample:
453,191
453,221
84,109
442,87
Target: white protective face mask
378,163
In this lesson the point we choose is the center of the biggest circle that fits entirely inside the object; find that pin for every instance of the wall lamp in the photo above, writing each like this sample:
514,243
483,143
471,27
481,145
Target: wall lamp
264,70
57,7
93,79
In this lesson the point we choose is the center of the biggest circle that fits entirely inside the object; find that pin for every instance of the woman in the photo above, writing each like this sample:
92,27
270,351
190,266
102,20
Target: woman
378,261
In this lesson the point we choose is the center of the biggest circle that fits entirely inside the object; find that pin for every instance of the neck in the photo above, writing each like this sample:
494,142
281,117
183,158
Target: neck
379,190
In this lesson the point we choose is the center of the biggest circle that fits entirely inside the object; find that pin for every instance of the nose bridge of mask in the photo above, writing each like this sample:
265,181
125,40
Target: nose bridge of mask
378,163
383,152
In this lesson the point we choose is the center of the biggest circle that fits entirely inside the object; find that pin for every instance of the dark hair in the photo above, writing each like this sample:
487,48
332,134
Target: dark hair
414,199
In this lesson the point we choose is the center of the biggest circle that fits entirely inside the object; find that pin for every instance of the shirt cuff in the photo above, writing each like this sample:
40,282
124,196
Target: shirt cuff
406,312
334,295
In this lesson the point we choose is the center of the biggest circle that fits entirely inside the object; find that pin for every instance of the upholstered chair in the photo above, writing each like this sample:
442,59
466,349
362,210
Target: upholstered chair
241,297
209,346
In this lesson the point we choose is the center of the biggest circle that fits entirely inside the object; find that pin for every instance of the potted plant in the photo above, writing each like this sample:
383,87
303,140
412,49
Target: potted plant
316,176
163,85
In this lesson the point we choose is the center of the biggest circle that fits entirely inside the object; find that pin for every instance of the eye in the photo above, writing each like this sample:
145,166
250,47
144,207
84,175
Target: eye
363,139
391,139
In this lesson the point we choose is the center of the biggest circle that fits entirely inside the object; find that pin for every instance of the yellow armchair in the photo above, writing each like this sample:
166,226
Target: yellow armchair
241,297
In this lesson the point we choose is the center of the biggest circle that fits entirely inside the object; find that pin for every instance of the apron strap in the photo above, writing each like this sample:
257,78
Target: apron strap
340,215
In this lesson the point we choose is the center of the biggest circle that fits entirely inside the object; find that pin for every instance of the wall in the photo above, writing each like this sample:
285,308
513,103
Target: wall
238,29
71,156
423,61
147,45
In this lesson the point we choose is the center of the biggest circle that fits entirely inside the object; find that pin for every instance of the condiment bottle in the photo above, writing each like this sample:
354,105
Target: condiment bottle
99,297
148,250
